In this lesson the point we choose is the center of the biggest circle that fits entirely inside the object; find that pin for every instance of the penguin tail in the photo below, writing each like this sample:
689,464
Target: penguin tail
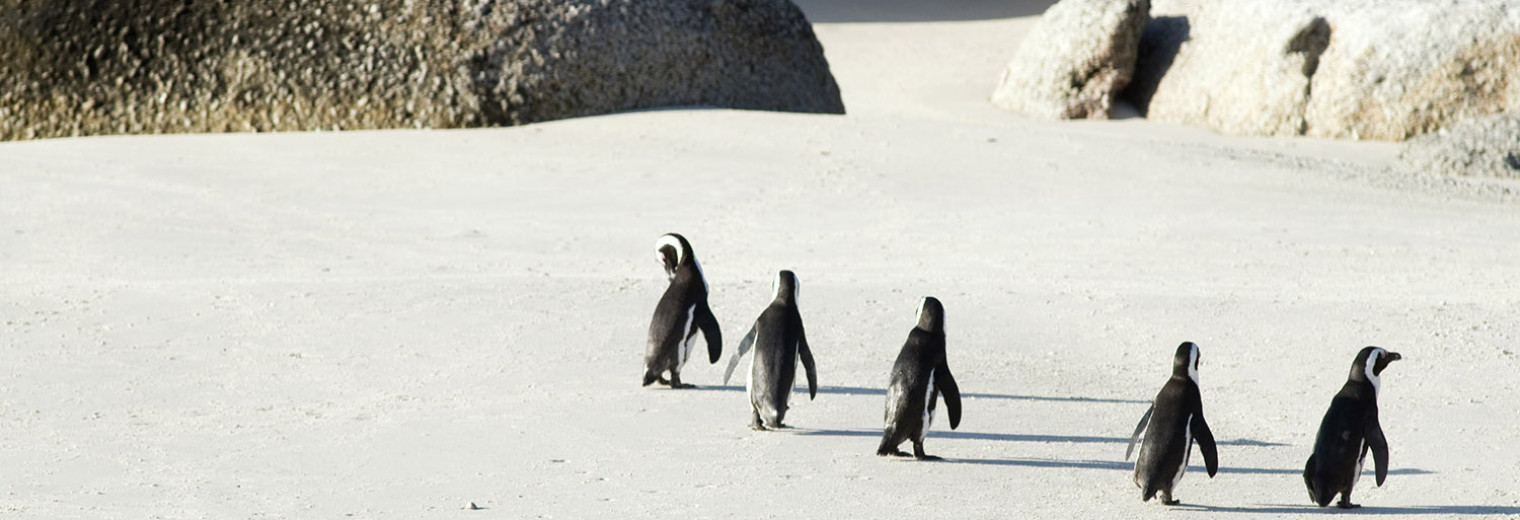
1147,492
650,377
887,446
1318,492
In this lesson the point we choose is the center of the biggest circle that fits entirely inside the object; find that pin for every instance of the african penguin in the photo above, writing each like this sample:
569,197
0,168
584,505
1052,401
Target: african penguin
779,340
1350,429
919,377
1172,424
682,311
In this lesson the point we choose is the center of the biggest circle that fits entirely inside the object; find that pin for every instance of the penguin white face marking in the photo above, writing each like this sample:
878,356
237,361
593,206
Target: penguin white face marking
1193,364
670,240
1372,360
776,287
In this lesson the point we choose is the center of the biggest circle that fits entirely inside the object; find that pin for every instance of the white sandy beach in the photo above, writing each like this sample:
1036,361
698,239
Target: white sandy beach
396,324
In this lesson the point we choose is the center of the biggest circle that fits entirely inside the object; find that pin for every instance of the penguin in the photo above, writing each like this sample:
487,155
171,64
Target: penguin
1349,430
681,312
1173,423
779,340
920,376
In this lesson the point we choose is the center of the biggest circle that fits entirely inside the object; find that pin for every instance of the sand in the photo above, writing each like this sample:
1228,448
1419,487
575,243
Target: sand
398,324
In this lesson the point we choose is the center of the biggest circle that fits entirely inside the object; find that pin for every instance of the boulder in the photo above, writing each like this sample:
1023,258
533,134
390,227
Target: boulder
1360,69
84,67
1075,60
1487,146
1237,67
1401,68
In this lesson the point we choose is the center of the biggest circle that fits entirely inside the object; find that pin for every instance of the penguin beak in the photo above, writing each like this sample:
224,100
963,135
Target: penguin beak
1394,356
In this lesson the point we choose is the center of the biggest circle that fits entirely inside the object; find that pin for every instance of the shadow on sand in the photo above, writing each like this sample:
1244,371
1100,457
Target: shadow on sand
1277,509
1015,437
1130,466
856,391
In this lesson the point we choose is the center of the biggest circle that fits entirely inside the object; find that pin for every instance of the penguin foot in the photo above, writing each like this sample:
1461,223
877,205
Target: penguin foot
682,385
930,458
1171,502
1347,505
894,453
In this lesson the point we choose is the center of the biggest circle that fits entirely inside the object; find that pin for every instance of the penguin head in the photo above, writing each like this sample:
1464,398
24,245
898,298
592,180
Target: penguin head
931,314
785,287
672,250
1185,363
1370,363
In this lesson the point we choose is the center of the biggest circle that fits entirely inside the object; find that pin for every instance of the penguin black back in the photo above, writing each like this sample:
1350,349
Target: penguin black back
779,341
920,376
1351,428
1173,424
680,313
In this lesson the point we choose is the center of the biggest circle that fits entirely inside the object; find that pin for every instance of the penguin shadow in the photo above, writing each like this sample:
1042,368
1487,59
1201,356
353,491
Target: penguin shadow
1300,471
1023,437
856,390
1366,509
862,391
978,436
1130,466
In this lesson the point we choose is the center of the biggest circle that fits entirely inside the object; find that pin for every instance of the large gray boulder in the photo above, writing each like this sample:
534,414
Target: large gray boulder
1075,60
84,67
1362,69
1487,146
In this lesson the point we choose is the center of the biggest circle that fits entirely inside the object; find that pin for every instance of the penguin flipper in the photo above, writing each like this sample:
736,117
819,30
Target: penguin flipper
744,345
1379,445
1205,440
1145,420
710,332
945,382
807,363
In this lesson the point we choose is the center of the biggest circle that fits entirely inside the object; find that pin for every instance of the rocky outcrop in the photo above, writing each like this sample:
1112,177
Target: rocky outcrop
1237,67
1075,60
99,66
1362,69
1487,146
1397,69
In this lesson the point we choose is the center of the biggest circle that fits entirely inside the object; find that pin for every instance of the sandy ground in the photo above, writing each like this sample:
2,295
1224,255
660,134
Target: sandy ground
398,324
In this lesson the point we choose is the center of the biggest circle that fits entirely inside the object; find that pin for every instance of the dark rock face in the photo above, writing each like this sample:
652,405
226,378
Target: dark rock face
82,67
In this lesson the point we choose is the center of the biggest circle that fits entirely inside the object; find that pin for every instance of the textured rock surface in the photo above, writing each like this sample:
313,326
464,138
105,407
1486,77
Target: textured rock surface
1075,61
1237,67
1367,69
99,67
1397,69
1487,146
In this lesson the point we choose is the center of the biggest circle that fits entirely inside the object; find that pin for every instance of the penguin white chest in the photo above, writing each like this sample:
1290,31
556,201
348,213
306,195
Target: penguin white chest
683,350
1187,450
928,417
